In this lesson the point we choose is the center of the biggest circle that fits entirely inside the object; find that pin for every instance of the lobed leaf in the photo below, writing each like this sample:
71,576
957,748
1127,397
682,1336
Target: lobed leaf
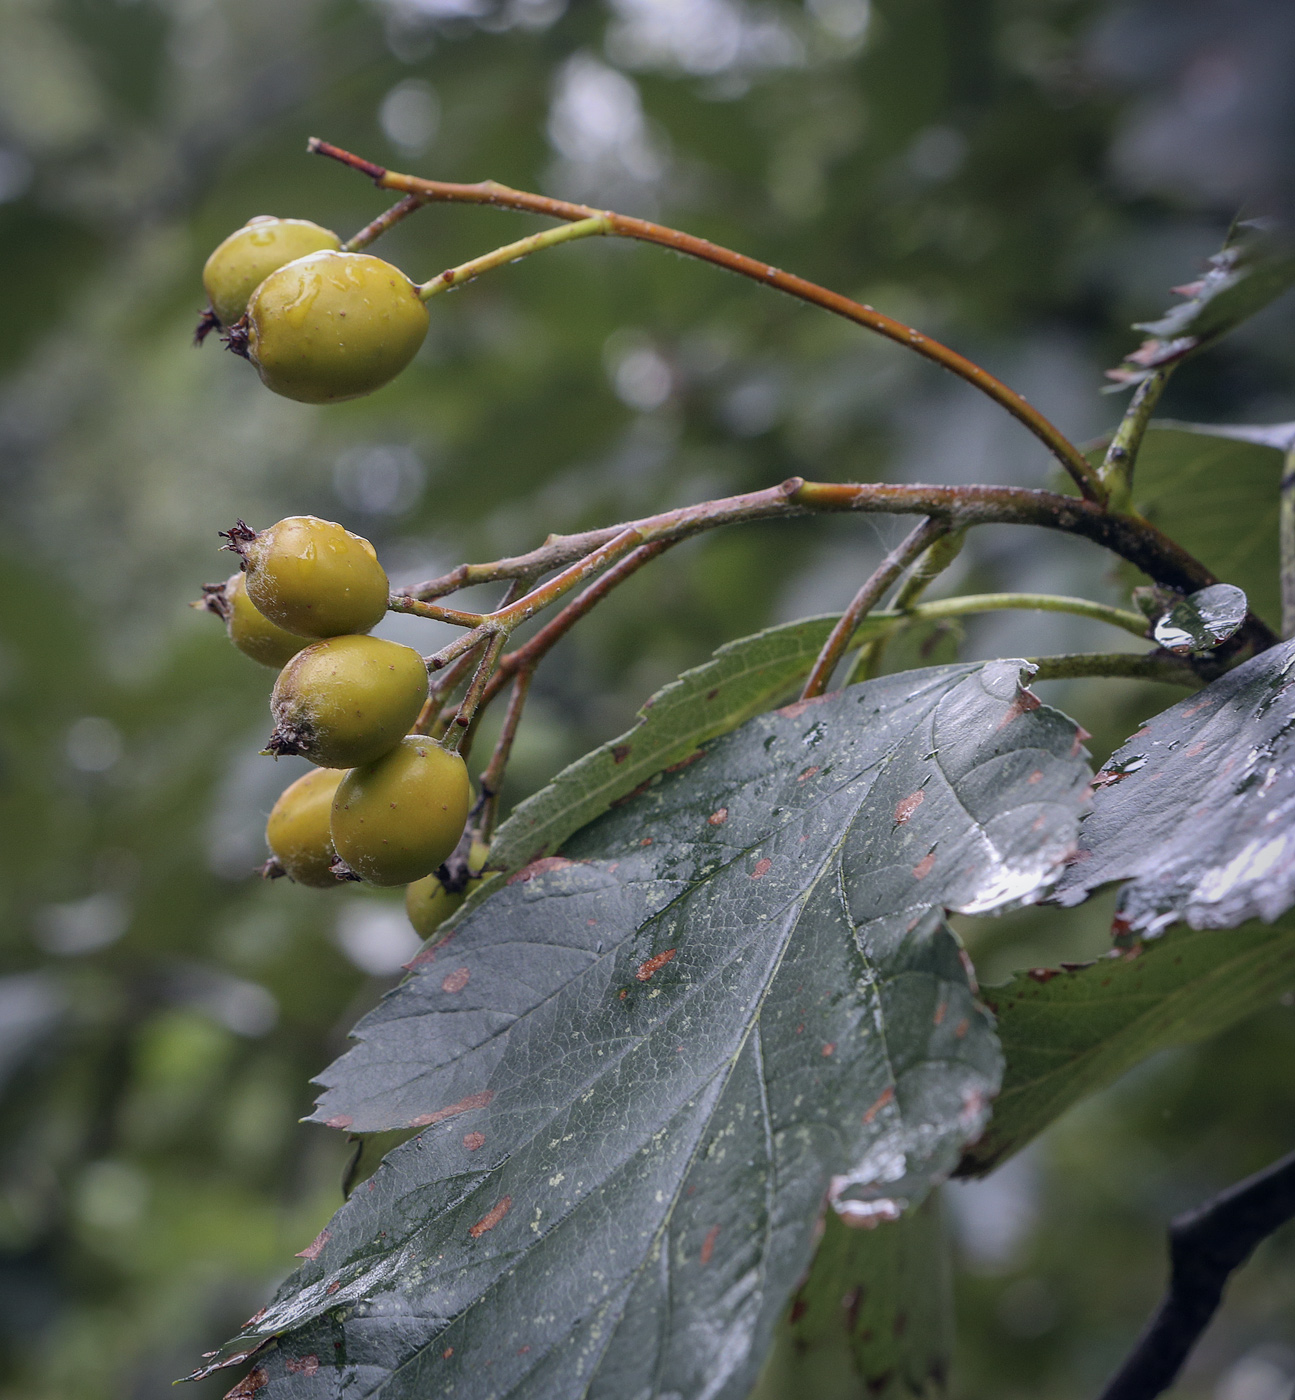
1218,497
1068,1032
1197,810
1255,266
741,679
874,1317
642,1066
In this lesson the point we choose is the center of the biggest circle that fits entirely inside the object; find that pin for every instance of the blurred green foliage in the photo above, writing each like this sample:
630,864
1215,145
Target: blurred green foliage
972,167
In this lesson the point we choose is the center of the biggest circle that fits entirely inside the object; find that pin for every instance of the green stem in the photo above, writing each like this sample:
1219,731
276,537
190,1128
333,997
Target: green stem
927,569
513,252
1023,602
390,217
890,568
1116,471
1144,666
1287,533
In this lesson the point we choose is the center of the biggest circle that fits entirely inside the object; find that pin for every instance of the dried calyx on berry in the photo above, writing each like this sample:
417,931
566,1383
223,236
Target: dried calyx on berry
311,577
347,700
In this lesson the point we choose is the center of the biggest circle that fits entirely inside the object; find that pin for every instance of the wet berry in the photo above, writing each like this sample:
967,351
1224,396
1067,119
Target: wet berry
428,903
298,831
312,577
347,700
399,818
250,254
251,632
333,326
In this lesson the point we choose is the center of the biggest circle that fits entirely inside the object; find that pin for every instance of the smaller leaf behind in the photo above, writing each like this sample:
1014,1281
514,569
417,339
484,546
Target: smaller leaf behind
1217,495
1197,810
1068,1032
741,679
1254,267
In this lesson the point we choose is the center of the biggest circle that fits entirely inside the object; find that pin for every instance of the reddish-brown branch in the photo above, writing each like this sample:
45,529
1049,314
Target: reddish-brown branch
865,600
501,196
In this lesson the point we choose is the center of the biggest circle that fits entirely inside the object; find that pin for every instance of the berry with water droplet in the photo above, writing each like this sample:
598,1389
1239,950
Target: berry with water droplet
428,903
332,326
347,700
398,818
299,832
250,254
311,576
250,631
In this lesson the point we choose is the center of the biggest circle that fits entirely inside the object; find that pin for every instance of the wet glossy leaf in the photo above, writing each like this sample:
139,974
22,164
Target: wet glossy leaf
874,1317
1197,810
1255,266
1202,620
741,679
643,1065
1068,1032
1217,496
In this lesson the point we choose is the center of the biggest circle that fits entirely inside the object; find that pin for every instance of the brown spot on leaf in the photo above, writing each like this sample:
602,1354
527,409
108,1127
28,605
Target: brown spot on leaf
474,1140
906,806
886,1095
1043,974
455,981
1036,776
539,867
719,817
312,1250
334,1286
621,752
711,694
762,868
807,774
256,1379
447,1353
425,956
941,1012
684,762
1197,747
1025,701
923,867
342,1120
633,793
798,707
962,1028
302,1365
491,1218
646,841
708,1245
254,1319
829,1048
426,1120
654,964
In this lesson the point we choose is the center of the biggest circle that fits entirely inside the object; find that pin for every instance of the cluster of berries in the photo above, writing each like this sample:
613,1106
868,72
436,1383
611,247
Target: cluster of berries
383,804
320,324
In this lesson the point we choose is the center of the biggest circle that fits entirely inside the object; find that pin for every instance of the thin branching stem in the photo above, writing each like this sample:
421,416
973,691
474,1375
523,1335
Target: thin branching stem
1116,471
492,776
621,225
512,252
467,710
1145,666
388,219
872,592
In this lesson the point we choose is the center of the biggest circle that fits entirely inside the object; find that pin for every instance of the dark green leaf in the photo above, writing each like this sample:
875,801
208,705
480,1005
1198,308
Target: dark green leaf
1197,810
741,679
874,1317
1068,1032
1218,498
1203,620
642,1066
1255,266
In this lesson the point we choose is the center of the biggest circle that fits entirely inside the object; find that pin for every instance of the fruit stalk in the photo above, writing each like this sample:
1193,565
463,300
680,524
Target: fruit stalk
624,226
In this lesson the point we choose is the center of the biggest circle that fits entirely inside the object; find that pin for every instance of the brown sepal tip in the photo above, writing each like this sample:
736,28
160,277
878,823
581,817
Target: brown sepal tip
237,537
207,323
271,870
236,337
341,871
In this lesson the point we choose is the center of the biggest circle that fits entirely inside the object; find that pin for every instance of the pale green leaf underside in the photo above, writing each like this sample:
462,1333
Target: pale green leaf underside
1068,1032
